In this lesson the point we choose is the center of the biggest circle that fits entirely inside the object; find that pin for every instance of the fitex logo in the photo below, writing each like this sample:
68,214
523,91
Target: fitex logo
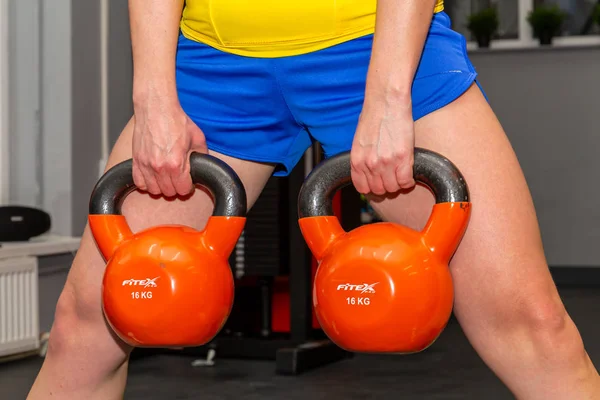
146,283
364,288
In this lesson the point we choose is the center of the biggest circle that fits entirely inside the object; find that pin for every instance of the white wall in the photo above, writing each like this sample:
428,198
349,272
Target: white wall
4,134
24,108
56,113
40,108
86,88
547,101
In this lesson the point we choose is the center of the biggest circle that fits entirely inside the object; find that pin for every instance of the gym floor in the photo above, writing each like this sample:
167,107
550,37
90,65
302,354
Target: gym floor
450,369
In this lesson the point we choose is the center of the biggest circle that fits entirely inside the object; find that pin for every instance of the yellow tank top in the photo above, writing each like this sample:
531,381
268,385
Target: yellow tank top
278,28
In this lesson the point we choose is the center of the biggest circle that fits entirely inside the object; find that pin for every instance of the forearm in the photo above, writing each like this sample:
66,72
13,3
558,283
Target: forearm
400,32
154,28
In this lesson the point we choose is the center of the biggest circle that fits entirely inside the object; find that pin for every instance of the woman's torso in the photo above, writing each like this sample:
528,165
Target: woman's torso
276,28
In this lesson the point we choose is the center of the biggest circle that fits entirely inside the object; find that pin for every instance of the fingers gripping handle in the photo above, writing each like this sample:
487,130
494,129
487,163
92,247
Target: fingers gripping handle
109,226
219,178
316,195
431,169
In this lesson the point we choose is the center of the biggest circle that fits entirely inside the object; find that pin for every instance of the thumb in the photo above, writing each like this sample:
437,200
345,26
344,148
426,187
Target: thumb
198,140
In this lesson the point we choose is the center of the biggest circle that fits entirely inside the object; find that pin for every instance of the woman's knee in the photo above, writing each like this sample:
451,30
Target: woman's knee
545,318
80,331
69,321
78,316
539,317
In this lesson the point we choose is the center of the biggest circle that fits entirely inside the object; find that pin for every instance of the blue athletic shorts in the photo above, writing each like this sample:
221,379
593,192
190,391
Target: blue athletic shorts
272,109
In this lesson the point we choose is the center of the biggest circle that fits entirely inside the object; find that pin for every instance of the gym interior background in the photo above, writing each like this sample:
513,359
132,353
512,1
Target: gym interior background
65,94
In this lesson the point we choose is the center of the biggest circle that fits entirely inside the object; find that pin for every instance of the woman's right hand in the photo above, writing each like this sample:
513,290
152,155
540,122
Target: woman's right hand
163,139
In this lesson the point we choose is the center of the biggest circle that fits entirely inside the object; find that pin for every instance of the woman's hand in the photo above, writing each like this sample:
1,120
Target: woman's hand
383,147
163,139
163,135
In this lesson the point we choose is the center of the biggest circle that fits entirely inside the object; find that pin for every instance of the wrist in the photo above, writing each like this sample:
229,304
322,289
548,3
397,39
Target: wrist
151,91
390,90
388,97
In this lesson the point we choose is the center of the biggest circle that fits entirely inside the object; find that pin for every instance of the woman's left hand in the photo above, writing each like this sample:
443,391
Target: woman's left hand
382,152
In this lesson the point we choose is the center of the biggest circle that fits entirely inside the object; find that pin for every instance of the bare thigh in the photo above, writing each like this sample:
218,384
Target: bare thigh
84,344
499,269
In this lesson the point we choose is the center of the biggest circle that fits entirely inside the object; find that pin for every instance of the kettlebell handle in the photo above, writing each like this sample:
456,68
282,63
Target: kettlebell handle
430,168
215,175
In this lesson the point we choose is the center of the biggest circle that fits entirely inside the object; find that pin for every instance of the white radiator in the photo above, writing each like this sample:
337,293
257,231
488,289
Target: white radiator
19,320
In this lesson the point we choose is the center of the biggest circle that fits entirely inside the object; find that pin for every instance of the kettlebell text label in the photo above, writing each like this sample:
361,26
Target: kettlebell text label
364,288
141,295
144,283
148,282
358,301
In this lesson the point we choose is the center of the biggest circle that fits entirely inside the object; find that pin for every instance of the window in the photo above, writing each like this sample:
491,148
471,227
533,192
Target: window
580,15
508,14
514,30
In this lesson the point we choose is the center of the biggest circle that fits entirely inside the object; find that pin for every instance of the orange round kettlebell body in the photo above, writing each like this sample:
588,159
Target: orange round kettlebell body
168,286
380,289
164,286
383,287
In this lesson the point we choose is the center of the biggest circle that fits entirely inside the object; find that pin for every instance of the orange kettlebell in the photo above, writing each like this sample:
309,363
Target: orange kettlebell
383,287
168,286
